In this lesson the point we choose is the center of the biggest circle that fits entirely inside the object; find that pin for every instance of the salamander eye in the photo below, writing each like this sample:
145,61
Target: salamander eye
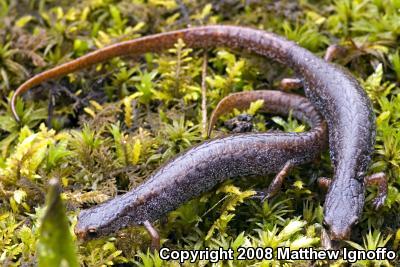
92,233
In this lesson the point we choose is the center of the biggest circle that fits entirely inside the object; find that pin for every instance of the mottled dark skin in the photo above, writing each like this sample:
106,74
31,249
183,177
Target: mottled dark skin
333,91
202,167
347,109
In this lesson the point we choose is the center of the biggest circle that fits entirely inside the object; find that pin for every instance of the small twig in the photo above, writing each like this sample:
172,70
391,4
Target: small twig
50,108
78,101
125,149
204,94
68,92
213,207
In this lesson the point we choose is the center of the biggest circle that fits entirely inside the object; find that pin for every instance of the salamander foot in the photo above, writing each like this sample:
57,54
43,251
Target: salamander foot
379,179
276,183
324,183
332,52
290,84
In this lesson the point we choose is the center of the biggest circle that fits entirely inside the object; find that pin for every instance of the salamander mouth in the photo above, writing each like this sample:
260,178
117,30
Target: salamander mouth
340,235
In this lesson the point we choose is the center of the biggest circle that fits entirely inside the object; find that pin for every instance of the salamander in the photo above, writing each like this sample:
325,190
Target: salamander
202,167
331,88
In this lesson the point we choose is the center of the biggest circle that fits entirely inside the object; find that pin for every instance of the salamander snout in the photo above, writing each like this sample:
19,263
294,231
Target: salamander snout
80,234
339,229
101,221
89,225
85,234
342,209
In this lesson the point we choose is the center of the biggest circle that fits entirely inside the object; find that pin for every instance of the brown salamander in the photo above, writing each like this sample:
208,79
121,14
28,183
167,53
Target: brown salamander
332,89
202,167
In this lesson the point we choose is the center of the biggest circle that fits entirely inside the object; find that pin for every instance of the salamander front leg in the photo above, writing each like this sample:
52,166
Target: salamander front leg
378,179
324,183
276,183
155,237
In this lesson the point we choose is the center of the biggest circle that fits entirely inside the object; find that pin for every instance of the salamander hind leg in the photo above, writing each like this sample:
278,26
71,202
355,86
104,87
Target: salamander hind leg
276,183
155,237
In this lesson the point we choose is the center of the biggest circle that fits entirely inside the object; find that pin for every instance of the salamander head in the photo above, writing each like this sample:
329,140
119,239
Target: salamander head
342,210
100,221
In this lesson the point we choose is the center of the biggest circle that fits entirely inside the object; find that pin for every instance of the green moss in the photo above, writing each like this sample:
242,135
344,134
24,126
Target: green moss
117,122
